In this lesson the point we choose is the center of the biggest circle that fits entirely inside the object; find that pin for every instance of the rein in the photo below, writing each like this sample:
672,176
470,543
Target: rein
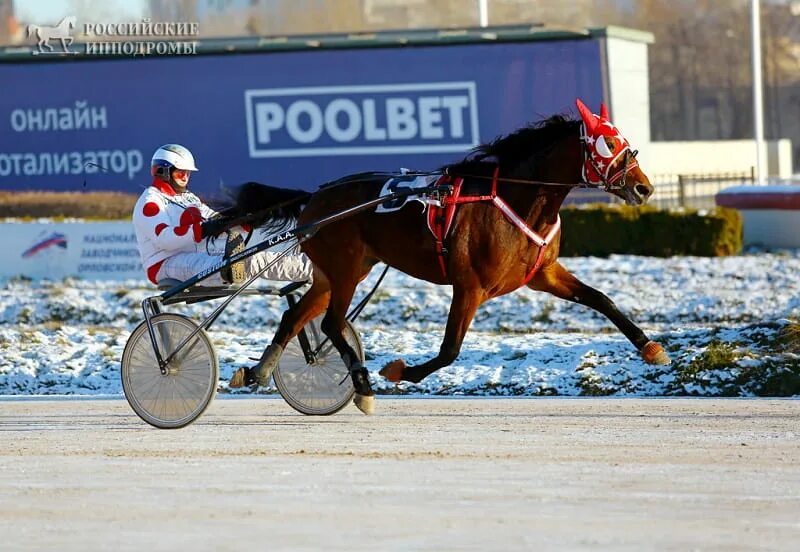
607,186
459,175
521,181
250,218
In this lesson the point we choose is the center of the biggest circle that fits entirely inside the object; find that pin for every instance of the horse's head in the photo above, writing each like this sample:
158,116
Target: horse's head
609,162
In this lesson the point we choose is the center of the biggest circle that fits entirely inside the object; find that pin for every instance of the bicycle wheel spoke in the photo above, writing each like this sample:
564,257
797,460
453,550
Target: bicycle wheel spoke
178,397
315,388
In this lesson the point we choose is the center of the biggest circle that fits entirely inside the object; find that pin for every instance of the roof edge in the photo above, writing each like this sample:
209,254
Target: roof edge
625,33
379,39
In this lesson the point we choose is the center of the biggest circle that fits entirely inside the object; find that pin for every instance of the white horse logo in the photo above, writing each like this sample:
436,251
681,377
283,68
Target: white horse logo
60,31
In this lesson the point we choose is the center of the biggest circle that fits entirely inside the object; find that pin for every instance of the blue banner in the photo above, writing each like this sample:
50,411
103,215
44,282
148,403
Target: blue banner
293,119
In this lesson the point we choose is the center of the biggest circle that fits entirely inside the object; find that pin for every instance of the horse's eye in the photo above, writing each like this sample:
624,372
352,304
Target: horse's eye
602,145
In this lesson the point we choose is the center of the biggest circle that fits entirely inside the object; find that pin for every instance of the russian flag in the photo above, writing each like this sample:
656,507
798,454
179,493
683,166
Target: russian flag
53,240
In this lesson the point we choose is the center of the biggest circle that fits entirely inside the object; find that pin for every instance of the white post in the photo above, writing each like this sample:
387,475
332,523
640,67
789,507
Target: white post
483,12
758,102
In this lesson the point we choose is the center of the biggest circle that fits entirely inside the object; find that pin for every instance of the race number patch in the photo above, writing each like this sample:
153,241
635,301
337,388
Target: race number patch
400,183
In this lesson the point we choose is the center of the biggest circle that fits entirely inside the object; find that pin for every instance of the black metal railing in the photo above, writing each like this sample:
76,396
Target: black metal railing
696,191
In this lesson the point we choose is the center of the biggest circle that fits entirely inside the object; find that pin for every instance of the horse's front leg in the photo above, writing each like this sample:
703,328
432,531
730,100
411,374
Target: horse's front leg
556,280
462,310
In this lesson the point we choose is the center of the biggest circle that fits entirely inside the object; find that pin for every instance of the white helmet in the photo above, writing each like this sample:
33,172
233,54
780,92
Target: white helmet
171,156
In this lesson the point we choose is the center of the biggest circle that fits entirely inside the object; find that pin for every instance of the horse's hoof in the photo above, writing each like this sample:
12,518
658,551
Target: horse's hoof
243,377
653,353
365,403
364,398
394,370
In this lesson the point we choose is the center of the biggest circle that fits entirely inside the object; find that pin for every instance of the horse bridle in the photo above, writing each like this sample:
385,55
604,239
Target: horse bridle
621,175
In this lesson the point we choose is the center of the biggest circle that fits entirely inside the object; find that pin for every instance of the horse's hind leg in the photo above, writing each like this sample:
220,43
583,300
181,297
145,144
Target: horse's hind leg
310,305
343,270
556,280
462,310
333,323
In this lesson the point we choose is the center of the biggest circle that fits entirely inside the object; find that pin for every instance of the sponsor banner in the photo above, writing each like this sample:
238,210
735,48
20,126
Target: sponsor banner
293,119
353,120
90,250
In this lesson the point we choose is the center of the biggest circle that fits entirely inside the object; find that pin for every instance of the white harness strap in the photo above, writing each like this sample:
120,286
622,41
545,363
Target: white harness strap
515,219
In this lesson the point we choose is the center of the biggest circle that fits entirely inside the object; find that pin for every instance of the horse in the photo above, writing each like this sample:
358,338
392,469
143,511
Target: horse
504,236
61,31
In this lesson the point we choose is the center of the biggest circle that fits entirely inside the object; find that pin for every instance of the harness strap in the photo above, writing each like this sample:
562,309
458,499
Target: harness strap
440,220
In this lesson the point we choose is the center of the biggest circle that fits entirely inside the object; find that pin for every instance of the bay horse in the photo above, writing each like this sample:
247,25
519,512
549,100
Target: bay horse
503,236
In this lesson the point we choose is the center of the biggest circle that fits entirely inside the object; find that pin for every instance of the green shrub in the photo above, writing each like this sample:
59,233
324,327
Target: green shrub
602,230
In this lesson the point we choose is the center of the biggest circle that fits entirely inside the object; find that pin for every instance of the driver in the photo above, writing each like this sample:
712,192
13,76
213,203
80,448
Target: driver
169,222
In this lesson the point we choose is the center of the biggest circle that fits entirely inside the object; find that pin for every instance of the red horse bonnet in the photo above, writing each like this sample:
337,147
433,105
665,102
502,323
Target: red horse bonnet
604,146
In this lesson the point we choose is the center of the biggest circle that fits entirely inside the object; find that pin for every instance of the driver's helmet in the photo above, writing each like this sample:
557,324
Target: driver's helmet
171,156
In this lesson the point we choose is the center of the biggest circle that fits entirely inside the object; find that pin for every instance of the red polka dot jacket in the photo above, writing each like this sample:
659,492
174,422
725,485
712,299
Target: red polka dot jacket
167,223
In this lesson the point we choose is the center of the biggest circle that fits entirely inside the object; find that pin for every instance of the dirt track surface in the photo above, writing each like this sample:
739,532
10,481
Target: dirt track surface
536,474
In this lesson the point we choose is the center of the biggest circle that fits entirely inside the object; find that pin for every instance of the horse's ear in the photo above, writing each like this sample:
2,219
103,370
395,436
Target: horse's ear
588,117
604,112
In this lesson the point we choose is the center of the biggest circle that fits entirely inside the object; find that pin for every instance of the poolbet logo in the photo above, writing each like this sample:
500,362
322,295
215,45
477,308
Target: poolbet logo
370,119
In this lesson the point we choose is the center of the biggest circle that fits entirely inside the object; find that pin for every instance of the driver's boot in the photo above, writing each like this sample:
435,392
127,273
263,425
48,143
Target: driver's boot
236,273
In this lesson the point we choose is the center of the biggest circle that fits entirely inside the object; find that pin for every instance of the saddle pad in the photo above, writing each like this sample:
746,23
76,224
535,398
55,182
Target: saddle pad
398,183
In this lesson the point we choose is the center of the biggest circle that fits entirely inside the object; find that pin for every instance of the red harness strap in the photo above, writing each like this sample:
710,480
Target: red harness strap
440,220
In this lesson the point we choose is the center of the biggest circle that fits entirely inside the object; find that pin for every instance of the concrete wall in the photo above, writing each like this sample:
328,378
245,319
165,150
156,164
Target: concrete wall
775,229
628,86
717,156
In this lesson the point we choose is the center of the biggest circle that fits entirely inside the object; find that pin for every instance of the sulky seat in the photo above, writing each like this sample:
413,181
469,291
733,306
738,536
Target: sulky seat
169,283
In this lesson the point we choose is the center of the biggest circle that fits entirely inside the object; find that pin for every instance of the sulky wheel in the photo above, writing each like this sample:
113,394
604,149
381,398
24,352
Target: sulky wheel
180,396
323,386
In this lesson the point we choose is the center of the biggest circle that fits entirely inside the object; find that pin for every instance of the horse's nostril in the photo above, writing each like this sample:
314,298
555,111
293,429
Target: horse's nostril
643,190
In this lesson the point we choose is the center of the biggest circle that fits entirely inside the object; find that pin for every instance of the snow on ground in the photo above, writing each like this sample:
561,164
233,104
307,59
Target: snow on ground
722,321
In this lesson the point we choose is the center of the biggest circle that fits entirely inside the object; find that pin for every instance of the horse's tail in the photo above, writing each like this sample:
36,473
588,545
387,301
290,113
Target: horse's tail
32,29
272,208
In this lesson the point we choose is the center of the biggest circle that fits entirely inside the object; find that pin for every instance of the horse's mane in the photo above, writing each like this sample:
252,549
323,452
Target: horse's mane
525,146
